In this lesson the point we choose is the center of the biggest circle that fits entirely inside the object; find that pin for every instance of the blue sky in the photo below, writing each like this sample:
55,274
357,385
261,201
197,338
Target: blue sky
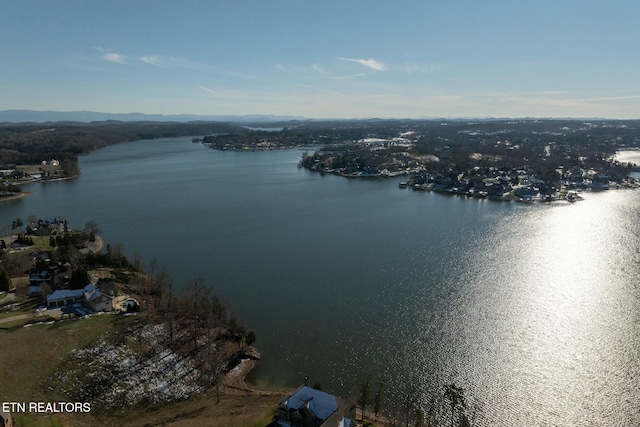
320,59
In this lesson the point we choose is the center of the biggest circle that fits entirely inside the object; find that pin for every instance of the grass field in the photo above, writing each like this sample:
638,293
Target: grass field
11,314
241,410
41,242
29,356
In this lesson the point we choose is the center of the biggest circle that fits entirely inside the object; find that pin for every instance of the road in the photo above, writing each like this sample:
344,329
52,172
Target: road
18,317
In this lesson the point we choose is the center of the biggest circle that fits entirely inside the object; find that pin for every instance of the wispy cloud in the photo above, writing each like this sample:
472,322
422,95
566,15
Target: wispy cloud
230,94
613,98
114,57
210,91
302,69
152,60
318,69
369,63
419,68
553,97
350,76
173,62
169,62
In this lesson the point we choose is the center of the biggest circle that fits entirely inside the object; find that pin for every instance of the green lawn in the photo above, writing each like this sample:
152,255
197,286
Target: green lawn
41,242
29,355
264,419
6,314
37,420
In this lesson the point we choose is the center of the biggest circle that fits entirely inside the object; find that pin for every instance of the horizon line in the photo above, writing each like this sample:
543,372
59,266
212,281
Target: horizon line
272,117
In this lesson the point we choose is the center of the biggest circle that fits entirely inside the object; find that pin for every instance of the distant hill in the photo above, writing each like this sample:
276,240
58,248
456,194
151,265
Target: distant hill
30,116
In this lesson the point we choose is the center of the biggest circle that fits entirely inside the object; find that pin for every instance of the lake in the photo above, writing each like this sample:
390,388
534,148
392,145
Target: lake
532,309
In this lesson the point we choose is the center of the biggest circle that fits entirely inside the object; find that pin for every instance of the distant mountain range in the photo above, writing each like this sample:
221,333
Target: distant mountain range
30,116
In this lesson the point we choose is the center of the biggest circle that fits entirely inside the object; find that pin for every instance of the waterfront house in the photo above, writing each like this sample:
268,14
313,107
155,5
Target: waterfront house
100,297
600,181
309,407
41,281
575,177
48,227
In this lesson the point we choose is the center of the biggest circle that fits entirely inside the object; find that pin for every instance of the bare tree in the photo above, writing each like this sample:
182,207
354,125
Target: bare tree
365,395
91,227
159,286
378,398
455,395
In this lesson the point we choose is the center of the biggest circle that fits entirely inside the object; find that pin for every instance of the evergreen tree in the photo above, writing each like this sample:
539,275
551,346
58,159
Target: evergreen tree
79,278
5,281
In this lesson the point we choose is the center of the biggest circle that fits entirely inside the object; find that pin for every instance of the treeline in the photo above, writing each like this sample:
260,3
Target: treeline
408,407
196,305
33,143
198,324
81,138
181,343
295,133
24,240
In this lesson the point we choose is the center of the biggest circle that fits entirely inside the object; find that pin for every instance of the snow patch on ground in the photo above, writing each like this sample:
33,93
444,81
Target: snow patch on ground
111,374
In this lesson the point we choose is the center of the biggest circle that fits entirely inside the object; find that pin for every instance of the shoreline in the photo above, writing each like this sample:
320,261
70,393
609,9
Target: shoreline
236,378
22,194
16,196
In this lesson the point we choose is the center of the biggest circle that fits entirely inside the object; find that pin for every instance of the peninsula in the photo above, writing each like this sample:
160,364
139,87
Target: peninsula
522,160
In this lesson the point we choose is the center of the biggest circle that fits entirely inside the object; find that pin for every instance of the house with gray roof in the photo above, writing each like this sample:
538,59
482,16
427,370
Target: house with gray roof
100,297
64,297
97,298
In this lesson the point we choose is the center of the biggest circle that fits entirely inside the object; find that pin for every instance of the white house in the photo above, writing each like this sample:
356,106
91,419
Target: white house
96,300
100,297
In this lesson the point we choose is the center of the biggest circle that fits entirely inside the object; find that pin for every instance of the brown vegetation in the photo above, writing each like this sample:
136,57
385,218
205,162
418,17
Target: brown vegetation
188,338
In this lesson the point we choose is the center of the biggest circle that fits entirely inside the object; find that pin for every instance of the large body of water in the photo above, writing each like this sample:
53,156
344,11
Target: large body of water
533,309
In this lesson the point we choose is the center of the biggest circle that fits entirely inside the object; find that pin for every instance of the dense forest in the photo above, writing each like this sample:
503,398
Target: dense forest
29,143
567,142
